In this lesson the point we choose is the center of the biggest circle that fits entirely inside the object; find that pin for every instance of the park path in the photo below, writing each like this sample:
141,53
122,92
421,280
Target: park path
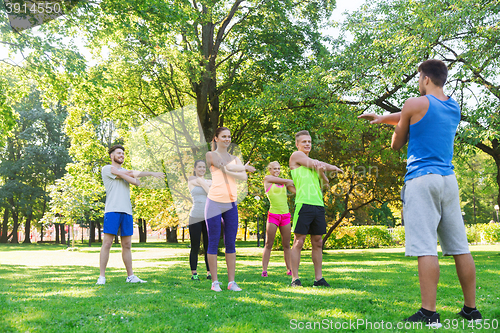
142,257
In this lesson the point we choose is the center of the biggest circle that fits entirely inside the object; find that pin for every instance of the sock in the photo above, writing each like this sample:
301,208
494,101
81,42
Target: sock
468,310
427,312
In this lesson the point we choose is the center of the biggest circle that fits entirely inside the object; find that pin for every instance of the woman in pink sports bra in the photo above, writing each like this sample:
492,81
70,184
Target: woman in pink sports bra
278,216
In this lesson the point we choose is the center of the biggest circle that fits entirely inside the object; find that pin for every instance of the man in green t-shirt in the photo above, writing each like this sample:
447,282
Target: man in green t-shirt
309,218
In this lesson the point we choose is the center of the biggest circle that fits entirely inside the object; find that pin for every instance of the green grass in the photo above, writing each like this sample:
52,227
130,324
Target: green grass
39,295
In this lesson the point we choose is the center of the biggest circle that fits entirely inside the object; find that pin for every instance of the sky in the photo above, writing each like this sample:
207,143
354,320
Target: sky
337,15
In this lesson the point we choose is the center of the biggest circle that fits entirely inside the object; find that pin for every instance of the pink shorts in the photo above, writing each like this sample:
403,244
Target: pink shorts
278,219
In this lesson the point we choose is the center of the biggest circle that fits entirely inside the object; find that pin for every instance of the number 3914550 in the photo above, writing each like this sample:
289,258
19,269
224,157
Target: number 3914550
33,8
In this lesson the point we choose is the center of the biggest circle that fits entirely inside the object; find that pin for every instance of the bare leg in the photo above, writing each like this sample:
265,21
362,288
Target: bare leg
298,242
212,263
466,271
107,242
317,255
428,274
231,266
286,234
270,234
126,242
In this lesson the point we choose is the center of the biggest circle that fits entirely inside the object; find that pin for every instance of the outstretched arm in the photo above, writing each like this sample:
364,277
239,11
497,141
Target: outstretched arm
125,175
139,174
268,180
299,158
390,119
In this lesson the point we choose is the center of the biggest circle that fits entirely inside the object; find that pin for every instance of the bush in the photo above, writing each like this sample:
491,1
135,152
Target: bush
473,234
398,235
491,232
483,232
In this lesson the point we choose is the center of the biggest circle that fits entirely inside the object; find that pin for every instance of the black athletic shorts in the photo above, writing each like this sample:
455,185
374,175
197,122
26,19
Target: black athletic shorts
309,219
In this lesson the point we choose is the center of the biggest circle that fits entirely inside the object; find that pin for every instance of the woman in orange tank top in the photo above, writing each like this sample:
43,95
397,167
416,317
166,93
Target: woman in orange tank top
221,205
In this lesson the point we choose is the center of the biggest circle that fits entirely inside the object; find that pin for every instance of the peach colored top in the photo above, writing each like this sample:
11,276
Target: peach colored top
223,187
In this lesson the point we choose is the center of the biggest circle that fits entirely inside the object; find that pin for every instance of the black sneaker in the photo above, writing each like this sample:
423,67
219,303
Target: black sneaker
296,283
195,277
321,283
209,277
473,315
432,321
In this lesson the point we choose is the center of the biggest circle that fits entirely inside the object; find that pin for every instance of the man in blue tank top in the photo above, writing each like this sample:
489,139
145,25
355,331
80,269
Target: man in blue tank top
431,204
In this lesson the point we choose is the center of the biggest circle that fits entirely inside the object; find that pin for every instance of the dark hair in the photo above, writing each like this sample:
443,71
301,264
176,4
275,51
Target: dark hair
195,164
436,70
303,132
216,135
115,147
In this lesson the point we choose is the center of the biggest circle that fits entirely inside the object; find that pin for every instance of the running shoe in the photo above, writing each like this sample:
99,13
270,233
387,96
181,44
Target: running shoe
289,273
473,315
134,279
216,286
321,283
233,286
195,277
264,274
209,276
296,283
101,280
432,321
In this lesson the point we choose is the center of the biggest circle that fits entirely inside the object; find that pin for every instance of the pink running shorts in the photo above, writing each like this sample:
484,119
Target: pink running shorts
278,219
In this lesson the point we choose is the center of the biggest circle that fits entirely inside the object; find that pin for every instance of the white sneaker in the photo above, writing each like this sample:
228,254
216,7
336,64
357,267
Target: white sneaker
101,280
135,279
216,286
233,286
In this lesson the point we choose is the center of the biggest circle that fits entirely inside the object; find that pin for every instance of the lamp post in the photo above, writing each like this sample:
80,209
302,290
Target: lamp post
496,209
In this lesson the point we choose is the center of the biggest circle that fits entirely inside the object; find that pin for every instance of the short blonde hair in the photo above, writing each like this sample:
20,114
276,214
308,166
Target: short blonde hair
270,165
303,132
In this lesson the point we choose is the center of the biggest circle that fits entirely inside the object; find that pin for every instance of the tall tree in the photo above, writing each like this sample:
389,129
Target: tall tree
377,70
34,156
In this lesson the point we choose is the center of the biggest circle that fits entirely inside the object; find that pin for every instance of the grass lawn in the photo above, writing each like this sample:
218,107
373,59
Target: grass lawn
44,288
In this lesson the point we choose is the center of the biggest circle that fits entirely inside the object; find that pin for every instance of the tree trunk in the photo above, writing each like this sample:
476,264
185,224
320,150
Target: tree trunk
15,218
92,232
56,227
172,235
99,230
27,229
5,226
63,233
142,231
41,233
116,240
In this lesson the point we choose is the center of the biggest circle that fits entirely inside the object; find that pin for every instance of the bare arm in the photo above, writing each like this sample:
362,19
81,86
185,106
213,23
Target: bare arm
242,175
390,119
269,180
123,174
299,158
413,110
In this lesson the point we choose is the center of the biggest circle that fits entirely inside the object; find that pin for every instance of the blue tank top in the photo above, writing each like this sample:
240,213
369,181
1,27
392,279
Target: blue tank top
430,145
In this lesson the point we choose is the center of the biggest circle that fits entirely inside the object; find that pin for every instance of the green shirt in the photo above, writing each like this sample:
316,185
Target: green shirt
308,186
277,197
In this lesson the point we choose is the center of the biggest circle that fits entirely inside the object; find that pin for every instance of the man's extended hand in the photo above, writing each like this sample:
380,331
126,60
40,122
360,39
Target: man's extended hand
373,118
160,175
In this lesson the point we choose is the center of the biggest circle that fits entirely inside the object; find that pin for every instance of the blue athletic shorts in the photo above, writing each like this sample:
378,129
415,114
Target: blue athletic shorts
120,224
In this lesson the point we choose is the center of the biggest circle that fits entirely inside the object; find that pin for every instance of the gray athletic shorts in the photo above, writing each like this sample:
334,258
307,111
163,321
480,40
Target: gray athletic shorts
431,209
